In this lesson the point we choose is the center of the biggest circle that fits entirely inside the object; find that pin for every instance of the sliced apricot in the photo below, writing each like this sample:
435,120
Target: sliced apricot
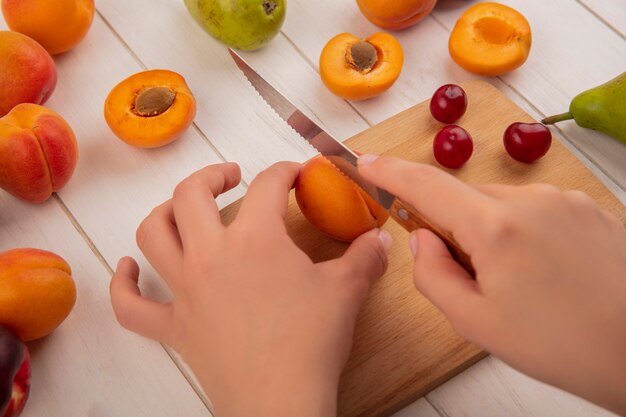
358,69
334,203
490,39
150,108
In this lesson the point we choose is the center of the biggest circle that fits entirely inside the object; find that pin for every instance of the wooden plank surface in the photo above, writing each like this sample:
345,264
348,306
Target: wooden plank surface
611,12
491,378
403,346
90,366
115,186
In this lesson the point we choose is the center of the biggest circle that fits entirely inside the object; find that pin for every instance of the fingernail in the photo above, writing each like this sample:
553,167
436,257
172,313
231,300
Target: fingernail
366,159
413,243
387,240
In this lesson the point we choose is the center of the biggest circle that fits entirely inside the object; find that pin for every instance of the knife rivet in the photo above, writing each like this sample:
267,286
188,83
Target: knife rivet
403,214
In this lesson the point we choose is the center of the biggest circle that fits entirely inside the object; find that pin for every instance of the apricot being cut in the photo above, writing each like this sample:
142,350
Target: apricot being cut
358,69
396,14
334,203
150,108
490,39
58,25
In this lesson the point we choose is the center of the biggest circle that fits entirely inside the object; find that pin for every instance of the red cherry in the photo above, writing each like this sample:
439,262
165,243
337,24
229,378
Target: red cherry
527,142
448,103
453,146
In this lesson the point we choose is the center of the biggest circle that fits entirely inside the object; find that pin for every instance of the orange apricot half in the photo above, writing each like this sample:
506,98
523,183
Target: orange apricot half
490,39
358,69
150,108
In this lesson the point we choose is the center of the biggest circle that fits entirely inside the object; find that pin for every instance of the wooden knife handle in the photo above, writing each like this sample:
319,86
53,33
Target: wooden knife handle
411,220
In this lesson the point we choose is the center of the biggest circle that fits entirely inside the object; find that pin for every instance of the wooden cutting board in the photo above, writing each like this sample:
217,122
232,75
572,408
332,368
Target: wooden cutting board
403,346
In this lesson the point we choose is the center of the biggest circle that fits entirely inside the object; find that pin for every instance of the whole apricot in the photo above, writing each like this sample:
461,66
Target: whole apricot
27,72
150,108
38,152
396,14
334,203
358,69
490,39
37,292
58,25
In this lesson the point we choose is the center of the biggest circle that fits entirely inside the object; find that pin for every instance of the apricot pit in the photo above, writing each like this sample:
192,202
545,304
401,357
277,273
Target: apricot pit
362,56
154,101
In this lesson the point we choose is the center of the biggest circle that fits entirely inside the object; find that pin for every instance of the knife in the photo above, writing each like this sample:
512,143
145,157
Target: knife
346,160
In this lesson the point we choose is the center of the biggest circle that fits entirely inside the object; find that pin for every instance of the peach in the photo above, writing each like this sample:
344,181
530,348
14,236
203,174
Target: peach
37,292
27,72
334,203
38,152
58,25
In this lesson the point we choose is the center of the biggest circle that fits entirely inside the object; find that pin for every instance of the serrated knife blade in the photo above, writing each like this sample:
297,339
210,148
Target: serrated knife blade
345,160
327,145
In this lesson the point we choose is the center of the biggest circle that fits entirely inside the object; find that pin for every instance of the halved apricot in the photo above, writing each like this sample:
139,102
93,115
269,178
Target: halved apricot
334,203
358,69
150,109
490,39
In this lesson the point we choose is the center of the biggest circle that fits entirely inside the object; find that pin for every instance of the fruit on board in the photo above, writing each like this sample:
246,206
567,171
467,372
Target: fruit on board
602,108
58,25
449,103
453,146
490,39
358,69
150,108
27,72
14,374
396,14
38,152
527,142
241,24
334,203
37,292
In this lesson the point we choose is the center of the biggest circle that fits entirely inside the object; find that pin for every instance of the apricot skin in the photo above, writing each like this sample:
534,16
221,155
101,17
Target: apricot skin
334,203
37,292
38,152
27,72
397,14
58,25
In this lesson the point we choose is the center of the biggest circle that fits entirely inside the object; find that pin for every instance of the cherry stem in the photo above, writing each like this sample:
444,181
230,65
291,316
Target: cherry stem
557,118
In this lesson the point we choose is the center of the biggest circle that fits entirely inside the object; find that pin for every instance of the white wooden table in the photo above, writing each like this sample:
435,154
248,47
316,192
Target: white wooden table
90,366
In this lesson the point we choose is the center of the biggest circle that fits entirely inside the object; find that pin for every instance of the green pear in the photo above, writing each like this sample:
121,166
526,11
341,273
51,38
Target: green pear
602,108
241,24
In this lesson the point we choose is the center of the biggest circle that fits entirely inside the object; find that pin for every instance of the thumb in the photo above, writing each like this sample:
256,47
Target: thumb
363,263
443,281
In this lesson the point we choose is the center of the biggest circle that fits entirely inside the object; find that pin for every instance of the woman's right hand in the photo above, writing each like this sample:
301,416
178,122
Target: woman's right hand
549,296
